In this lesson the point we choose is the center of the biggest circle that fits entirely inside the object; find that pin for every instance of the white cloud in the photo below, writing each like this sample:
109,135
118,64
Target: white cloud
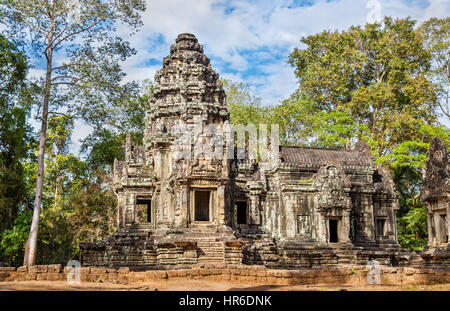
236,77
35,73
253,25
437,8
280,82
250,40
80,131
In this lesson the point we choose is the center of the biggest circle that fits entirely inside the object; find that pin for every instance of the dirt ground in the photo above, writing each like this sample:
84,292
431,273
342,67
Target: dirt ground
197,285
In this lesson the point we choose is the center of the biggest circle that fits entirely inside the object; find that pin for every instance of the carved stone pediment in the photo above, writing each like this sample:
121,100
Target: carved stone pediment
332,186
206,167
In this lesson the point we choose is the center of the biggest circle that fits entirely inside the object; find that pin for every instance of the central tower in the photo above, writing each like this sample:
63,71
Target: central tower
185,183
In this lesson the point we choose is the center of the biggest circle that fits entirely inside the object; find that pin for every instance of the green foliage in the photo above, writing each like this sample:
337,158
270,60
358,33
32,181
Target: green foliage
373,83
412,229
15,133
244,108
77,205
88,83
301,124
60,128
102,147
13,70
107,143
12,242
81,38
371,80
436,36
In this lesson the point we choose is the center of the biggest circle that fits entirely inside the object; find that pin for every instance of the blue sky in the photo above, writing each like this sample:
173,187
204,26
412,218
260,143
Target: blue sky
250,40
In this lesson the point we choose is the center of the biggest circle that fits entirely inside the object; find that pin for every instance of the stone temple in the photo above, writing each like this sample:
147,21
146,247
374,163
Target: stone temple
435,194
309,207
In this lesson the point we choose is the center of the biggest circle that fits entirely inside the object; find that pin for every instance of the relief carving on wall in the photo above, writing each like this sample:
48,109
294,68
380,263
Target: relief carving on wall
332,186
437,173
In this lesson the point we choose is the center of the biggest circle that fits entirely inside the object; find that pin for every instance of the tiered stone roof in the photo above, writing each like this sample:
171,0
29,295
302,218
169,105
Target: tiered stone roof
187,86
316,157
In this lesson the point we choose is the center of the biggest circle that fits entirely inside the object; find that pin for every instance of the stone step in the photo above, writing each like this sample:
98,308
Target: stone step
210,260
209,244
212,249
215,249
210,253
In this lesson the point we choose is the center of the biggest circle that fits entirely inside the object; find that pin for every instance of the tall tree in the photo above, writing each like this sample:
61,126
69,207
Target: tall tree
78,203
376,74
372,83
302,124
15,132
244,107
107,142
436,34
88,78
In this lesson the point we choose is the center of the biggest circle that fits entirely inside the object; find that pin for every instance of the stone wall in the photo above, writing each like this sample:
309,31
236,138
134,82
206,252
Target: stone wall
179,254
140,255
343,275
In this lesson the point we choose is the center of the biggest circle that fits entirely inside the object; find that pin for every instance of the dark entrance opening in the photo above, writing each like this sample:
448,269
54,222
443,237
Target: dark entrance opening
443,228
202,205
380,227
241,213
352,233
333,226
144,210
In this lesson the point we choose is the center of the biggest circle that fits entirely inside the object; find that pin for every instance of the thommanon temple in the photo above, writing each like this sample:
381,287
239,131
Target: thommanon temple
298,208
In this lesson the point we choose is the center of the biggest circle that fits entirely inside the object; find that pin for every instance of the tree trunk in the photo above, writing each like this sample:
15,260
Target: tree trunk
31,245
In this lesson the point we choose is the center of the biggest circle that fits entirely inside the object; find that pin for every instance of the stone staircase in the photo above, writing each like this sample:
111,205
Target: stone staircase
210,243
416,261
210,251
213,246
133,232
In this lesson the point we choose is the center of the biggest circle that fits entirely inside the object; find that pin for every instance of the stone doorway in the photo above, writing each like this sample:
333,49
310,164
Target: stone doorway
333,225
202,203
241,212
144,211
